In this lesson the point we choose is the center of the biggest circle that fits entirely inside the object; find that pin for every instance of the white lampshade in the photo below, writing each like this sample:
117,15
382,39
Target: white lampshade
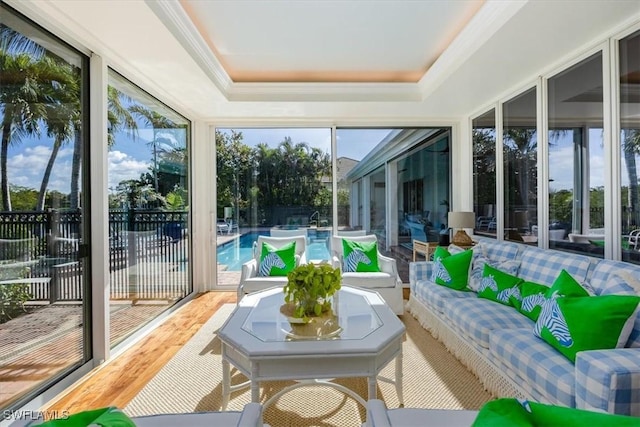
462,219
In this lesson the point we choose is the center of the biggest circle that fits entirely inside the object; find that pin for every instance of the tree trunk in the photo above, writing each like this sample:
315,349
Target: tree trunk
74,196
4,180
47,174
632,174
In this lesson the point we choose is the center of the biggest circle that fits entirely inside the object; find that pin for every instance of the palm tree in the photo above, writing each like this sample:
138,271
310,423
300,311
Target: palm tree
631,148
62,116
162,127
21,105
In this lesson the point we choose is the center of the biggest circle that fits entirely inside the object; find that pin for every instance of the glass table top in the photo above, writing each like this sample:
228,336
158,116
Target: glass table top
351,317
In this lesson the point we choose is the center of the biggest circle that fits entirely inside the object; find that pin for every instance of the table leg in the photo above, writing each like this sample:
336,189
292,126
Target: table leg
226,383
255,386
372,386
399,379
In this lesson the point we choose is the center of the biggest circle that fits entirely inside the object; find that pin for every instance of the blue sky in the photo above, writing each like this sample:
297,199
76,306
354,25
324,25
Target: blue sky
352,143
128,159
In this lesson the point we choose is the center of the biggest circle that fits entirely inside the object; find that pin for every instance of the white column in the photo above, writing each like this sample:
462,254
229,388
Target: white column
98,161
203,227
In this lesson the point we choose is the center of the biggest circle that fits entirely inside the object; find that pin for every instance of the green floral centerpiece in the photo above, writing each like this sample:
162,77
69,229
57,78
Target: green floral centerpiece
310,287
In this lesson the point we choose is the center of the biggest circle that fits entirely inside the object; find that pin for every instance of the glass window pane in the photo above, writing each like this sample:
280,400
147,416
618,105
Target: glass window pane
520,147
576,159
44,305
409,168
148,207
630,146
484,174
274,181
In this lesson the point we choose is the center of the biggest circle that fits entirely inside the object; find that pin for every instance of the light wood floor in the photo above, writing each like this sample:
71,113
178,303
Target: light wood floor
117,383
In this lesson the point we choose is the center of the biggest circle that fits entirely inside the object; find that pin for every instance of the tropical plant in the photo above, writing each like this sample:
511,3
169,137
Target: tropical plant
309,288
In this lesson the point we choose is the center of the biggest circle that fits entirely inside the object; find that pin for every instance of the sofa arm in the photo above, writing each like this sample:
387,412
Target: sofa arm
609,380
419,270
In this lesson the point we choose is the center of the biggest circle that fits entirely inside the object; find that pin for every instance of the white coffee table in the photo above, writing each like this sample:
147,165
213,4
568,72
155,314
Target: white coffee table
358,339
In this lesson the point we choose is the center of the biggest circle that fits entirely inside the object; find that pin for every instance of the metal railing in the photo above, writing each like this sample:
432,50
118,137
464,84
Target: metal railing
148,256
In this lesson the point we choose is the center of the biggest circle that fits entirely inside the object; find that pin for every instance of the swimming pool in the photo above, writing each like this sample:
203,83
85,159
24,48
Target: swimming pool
238,251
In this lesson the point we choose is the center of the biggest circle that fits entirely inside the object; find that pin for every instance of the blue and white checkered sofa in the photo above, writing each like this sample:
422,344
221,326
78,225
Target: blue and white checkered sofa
496,342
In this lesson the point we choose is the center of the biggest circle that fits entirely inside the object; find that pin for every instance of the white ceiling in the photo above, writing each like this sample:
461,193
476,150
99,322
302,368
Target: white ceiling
328,40
332,61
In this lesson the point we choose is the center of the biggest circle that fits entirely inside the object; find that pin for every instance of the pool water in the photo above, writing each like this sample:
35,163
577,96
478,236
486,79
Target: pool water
238,251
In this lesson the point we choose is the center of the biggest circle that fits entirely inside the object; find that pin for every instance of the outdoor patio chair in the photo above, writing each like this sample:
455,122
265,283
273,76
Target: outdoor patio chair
386,282
379,416
634,239
250,278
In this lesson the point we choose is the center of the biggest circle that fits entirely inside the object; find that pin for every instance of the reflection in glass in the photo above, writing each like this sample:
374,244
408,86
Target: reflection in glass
44,304
148,207
630,145
576,158
484,173
520,148
271,182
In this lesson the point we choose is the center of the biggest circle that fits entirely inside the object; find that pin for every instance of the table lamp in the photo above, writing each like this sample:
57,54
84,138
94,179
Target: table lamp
462,220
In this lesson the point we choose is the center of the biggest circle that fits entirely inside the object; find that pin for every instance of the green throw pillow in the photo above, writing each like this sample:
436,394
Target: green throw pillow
451,271
360,257
573,324
497,285
530,299
514,413
277,261
566,286
104,417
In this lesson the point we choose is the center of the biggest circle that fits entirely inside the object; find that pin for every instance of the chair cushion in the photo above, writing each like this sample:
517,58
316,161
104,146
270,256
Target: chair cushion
369,280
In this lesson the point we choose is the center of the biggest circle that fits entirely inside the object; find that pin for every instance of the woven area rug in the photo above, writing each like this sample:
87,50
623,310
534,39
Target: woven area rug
191,382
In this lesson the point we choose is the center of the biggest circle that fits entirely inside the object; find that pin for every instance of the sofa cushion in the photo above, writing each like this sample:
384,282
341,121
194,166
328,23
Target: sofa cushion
543,265
573,324
496,250
497,285
529,299
477,317
451,271
435,295
536,362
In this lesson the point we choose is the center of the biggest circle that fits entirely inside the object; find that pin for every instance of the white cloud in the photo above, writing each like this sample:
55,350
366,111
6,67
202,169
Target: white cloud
123,167
27,168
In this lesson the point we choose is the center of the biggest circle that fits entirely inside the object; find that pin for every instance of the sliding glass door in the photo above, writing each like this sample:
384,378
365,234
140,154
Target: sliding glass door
44,286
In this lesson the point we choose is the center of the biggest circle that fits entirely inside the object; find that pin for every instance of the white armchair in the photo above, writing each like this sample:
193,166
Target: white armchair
386,282
250,279
250,416
379,416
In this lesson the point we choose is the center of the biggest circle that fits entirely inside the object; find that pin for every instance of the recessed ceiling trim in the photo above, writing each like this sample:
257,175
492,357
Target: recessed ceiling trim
324,92
178,22
484,24
180,25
